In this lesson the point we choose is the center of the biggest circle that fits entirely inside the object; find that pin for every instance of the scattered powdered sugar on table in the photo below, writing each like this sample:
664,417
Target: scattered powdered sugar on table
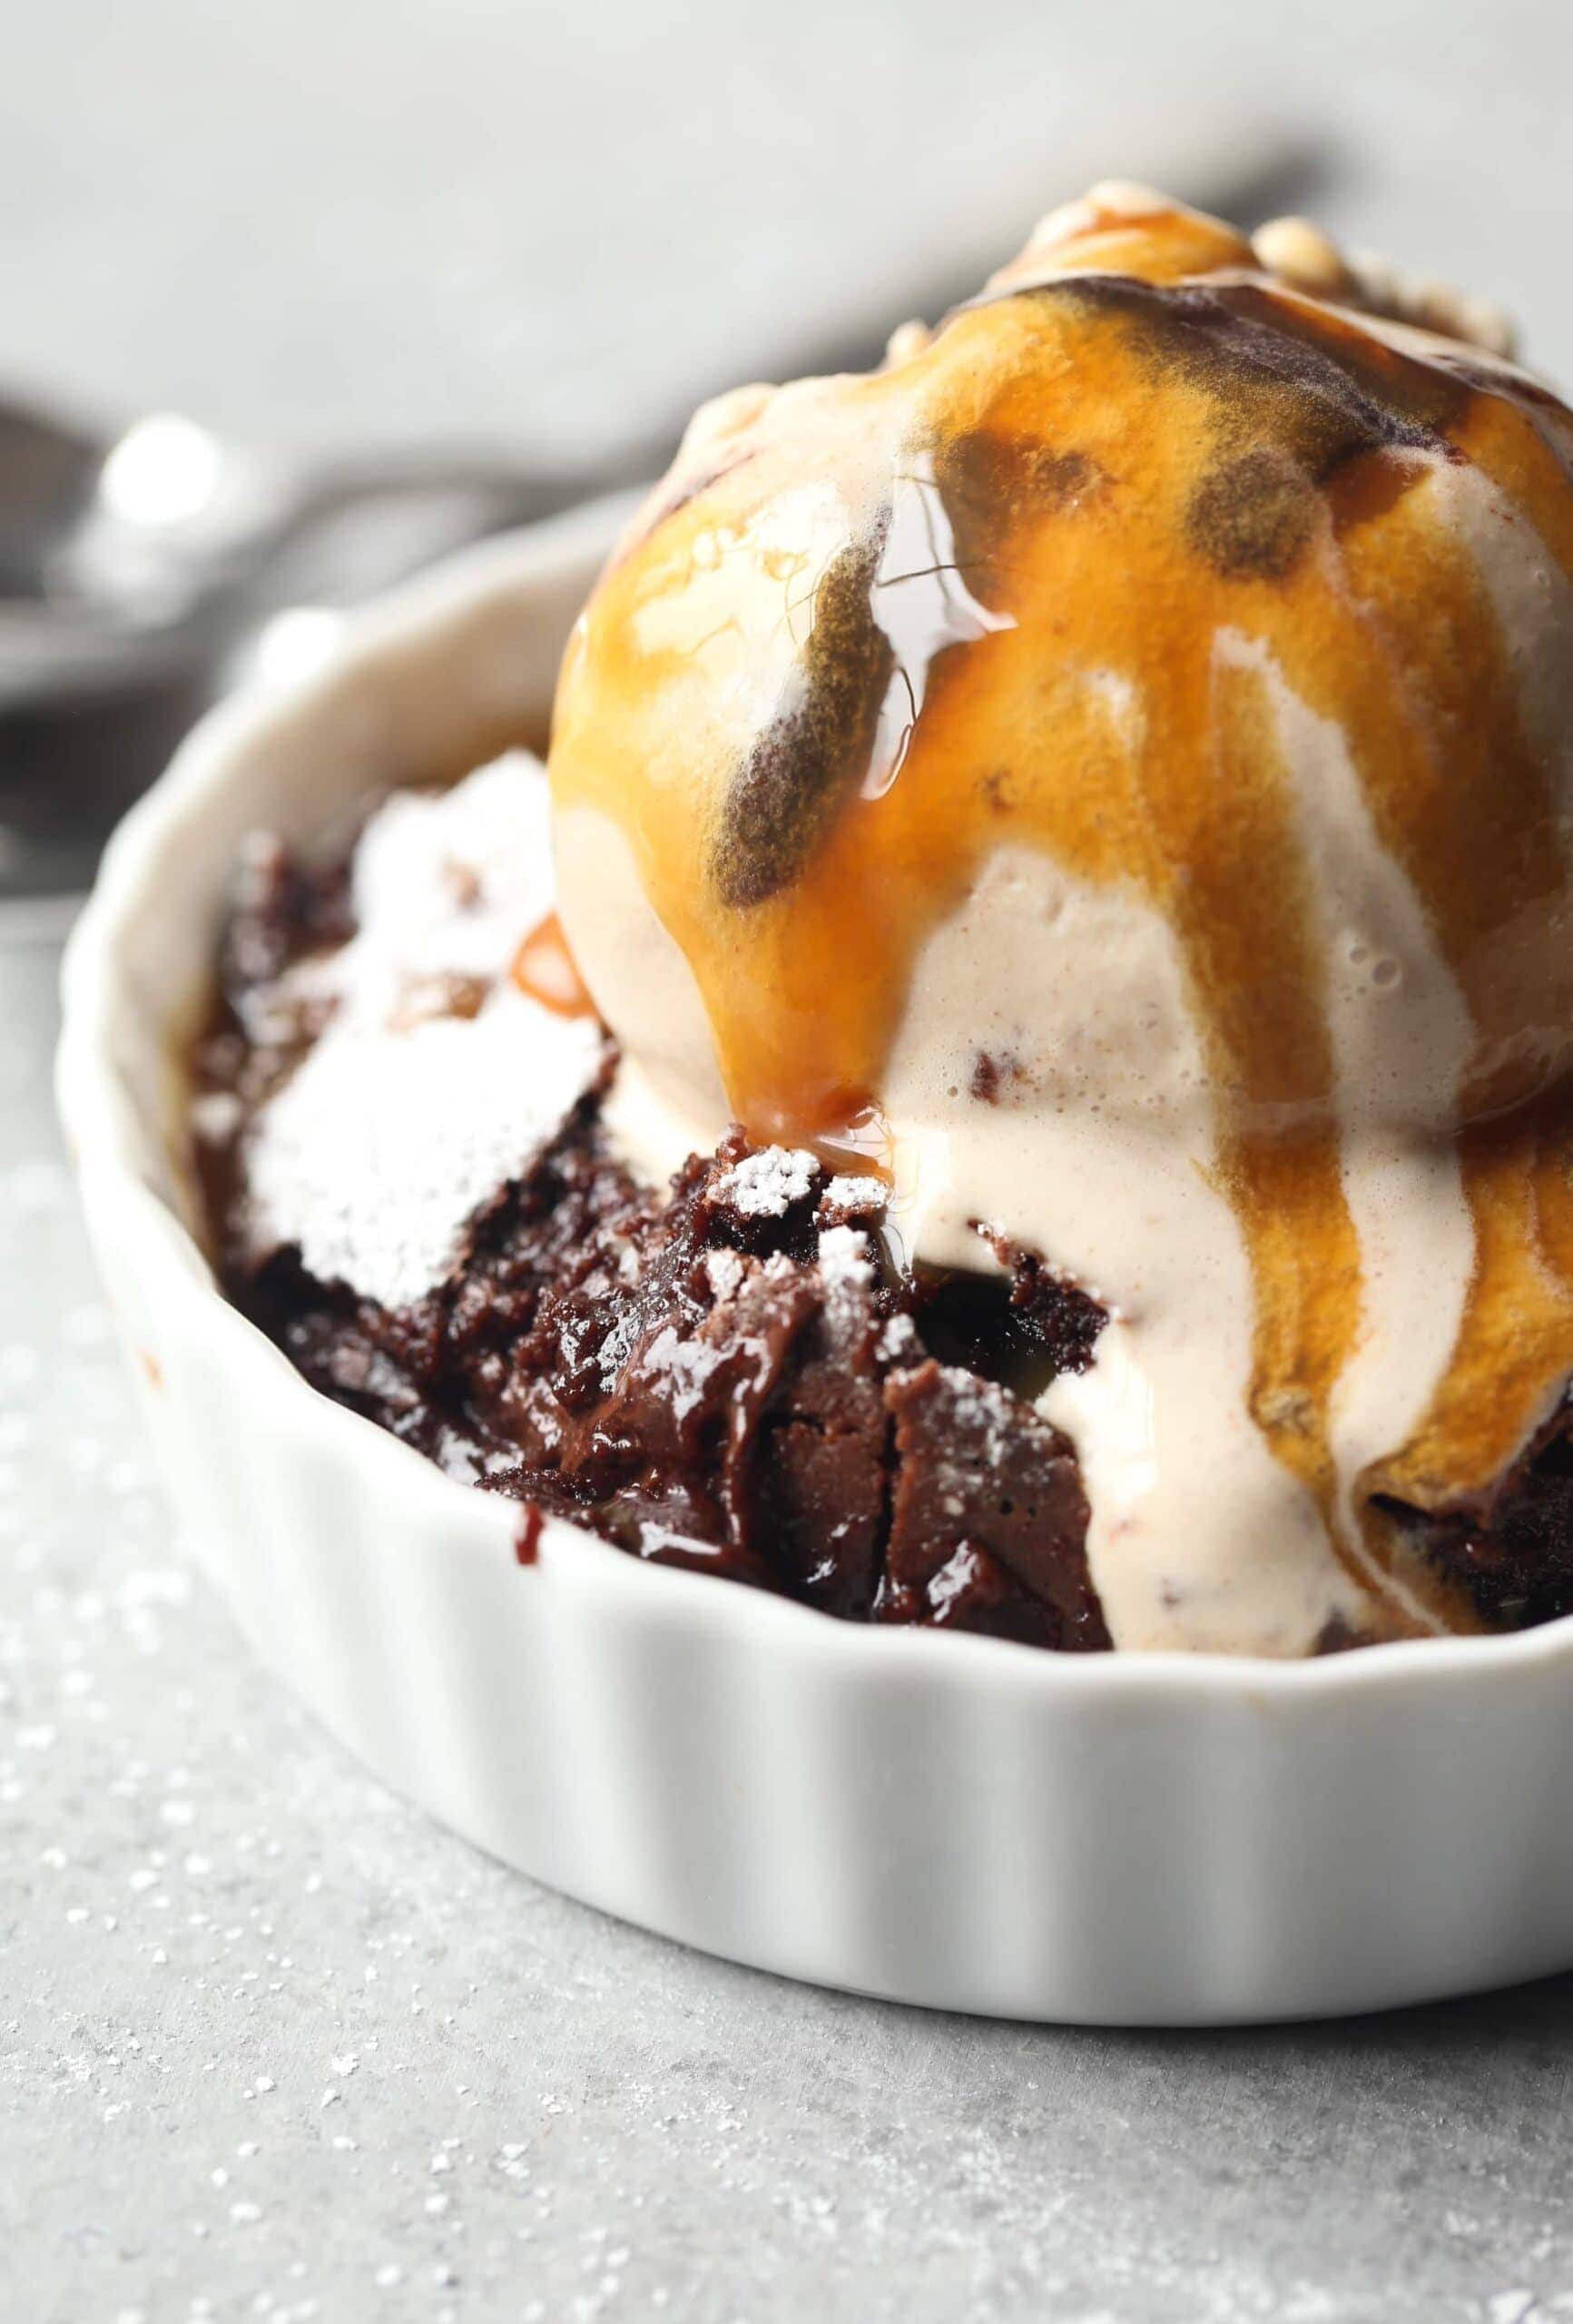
380,1147
766,1185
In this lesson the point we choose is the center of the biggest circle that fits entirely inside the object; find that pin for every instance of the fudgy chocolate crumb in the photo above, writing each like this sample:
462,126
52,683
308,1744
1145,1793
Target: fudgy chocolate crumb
283,910
988,1516
1509,1552
1063,1320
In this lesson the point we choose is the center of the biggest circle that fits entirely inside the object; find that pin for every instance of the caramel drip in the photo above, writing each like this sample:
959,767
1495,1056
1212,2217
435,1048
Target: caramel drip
1530,458
1288,1196
1515,1343
1131,477
1465,803
1257,957
545,967
1161,244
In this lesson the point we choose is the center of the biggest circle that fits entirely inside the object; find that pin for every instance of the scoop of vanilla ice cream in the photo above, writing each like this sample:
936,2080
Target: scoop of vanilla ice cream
1115,764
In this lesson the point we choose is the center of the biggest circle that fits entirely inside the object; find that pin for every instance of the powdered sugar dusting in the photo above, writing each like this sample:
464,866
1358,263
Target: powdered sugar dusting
446,883
849,1198
723,1271
898,1342
766,1185
399,1126
847,1273
377,1152
845,1257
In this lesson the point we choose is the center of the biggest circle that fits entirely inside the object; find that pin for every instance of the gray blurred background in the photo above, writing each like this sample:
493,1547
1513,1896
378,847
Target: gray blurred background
316,220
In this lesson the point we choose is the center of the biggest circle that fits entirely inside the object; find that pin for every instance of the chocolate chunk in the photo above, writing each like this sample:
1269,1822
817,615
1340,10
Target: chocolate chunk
1063,1320
988,1519
282,909
1509,1552
1336,1636
989,1074
823,1462
1021,1327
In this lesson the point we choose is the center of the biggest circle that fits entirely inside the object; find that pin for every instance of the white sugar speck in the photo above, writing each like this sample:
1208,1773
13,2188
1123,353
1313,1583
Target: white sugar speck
766,1185
845,1262
898,1342
215,1116
855,1196
724,1270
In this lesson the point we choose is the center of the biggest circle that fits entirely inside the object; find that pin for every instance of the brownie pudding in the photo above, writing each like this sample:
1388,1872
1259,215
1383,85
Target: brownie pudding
1015,1072
735,1371
729,1373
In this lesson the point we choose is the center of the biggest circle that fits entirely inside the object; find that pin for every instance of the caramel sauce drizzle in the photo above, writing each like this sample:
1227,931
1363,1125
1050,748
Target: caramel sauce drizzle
545,969
1131,466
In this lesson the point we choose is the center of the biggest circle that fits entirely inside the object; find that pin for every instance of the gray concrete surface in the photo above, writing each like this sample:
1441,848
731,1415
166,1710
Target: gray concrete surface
272,2045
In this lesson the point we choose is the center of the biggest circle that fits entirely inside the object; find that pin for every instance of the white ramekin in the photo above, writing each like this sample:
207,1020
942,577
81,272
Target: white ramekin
944,1819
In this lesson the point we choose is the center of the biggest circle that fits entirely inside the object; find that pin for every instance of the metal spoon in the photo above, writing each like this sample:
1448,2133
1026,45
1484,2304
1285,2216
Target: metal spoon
135,552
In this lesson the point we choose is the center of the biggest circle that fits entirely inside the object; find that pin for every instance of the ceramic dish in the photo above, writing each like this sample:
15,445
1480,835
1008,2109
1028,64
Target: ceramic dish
940,1818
